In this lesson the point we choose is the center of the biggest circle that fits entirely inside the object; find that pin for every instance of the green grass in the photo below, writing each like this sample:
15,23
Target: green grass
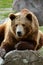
5,8
5,3
41,28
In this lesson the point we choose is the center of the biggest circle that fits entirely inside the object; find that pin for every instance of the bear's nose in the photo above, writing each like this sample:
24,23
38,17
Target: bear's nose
19,33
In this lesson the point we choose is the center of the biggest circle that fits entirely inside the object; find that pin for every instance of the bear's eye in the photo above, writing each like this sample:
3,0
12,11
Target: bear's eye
16,25
23,25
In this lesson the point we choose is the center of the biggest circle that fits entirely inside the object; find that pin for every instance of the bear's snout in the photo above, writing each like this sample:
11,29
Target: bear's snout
19,33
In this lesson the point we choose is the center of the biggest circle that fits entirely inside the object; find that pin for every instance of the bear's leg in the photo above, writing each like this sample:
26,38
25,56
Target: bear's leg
7,44
23,45
2,29
40,42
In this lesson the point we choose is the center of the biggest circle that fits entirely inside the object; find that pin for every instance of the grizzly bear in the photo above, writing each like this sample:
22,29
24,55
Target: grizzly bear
21,28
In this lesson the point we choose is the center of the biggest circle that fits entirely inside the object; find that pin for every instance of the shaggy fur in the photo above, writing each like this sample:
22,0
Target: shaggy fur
31,38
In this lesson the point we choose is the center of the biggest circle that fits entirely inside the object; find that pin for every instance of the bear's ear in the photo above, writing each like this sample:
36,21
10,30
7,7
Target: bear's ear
12,16
29,16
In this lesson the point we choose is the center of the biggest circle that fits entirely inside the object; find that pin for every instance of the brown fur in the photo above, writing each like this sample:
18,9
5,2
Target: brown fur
22,45
8,37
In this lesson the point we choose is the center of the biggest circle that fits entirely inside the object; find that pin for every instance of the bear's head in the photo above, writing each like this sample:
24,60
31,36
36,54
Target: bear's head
23,23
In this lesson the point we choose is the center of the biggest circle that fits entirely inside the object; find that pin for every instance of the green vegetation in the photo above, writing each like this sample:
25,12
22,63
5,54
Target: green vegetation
41,28
5,8
5,3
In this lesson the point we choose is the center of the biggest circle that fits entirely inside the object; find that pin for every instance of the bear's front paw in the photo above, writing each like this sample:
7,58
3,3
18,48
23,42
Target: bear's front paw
2,52
22,45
